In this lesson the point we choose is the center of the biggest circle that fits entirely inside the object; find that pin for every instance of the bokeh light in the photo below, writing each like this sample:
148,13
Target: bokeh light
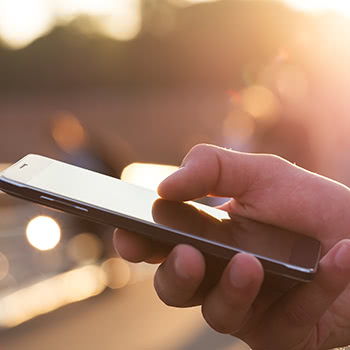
43,233
85,248
117,273
260,102
68,132
50,294
238,128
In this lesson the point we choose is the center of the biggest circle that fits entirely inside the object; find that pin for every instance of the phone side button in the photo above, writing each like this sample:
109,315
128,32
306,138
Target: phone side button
47,198
81,209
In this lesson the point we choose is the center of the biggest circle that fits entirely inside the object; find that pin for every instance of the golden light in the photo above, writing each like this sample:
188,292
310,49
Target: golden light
239,127
43,233
48,295
260,103
118,19
85,248
68,132
190,2
339,6
4,266
291,83
117,273
146,174
23,21
4,166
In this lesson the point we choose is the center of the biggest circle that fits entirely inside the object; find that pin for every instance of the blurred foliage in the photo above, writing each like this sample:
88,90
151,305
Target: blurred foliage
205,44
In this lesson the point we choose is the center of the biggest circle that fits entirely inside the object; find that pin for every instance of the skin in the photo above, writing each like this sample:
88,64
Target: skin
267,312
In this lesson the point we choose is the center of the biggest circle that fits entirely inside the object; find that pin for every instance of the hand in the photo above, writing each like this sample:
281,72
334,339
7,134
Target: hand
267,313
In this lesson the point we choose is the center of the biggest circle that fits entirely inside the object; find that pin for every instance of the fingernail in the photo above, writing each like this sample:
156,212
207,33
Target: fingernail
342,257
181,269
237,278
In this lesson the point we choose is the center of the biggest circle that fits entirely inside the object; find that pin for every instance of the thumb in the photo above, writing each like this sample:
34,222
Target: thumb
266,188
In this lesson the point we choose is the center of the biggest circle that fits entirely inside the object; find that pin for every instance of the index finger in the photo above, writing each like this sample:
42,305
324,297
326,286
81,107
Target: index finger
265,188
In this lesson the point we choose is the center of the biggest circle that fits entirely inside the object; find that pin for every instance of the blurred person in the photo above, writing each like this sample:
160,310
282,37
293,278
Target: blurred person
267,312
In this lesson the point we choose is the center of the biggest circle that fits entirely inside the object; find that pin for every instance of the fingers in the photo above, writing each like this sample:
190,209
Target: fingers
228,305
136,248
211,170
260,185
297,314
178,279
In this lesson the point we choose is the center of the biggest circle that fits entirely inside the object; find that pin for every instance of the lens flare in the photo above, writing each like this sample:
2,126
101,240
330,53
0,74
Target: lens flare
117,273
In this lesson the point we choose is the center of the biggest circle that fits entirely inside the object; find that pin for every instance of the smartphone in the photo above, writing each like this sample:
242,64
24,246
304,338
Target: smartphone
111,201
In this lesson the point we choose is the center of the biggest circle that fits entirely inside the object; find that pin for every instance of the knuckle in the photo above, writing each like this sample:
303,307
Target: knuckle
297,316
218,324
165,288
201,149
164,296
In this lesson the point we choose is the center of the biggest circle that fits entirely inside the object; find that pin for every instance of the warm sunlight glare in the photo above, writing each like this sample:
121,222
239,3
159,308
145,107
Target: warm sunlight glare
51,294
43,233
117,19
146,174
23,21
339,6
117,273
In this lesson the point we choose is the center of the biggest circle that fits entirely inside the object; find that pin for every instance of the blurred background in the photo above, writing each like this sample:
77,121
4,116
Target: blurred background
126,88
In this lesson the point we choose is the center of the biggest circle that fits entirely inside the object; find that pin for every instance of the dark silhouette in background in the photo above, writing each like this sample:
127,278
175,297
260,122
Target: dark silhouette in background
207,45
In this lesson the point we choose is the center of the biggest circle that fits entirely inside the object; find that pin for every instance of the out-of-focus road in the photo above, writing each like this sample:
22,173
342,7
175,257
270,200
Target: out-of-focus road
132,318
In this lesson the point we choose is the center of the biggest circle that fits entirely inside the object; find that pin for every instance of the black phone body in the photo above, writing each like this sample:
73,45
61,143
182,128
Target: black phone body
114,202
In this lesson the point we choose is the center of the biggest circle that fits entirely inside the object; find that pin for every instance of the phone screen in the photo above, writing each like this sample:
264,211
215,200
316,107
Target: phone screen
192,219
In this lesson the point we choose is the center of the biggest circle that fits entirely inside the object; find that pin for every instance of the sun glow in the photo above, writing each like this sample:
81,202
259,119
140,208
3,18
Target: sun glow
339,6
21,21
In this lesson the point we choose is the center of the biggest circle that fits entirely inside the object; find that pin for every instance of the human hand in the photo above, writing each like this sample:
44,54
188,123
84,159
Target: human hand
268,313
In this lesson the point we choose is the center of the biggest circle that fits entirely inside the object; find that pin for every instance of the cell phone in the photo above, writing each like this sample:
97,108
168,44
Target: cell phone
114,202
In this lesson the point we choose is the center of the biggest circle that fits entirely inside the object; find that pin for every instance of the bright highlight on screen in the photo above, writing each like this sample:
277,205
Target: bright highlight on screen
146,174
43,233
